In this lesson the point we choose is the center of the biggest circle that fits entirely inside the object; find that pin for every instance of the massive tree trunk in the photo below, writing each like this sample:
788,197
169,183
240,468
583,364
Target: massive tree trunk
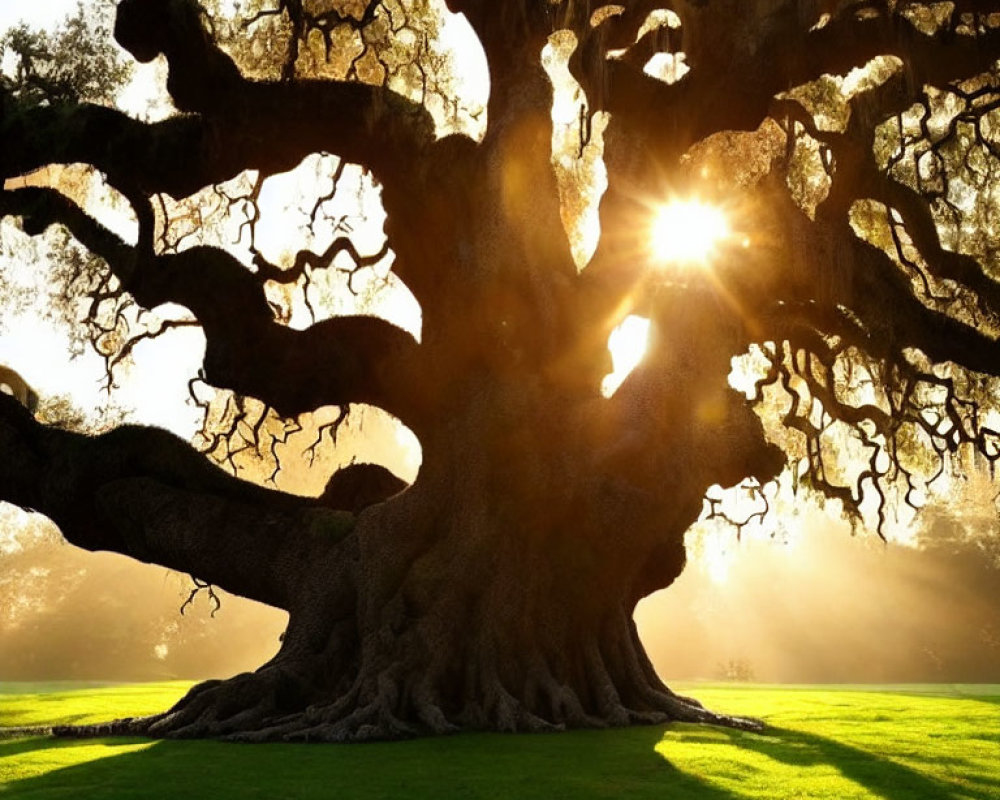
497,591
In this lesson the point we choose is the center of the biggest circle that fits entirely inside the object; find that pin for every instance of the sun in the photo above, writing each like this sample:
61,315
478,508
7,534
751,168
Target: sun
687,232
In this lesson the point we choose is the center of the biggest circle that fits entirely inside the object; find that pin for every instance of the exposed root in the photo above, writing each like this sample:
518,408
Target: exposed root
130,726
373,722
681,709
213,709
252,708
598,682
22,731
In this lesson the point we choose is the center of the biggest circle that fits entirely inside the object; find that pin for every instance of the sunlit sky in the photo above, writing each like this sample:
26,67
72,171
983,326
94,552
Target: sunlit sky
155,387
37,13
688,231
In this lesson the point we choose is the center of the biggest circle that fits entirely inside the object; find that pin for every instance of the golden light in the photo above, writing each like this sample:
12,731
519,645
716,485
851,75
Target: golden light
627,345
688,232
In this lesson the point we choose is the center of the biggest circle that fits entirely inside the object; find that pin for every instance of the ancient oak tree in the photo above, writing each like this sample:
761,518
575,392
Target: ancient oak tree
853,148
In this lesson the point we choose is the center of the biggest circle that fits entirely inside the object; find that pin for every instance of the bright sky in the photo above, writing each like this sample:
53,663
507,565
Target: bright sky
156,387
37,13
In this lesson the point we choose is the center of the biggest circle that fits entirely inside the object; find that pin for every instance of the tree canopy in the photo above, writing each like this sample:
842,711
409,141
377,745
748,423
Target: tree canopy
843,155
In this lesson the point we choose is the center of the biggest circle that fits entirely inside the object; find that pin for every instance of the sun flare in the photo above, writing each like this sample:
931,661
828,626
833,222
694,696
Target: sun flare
687,232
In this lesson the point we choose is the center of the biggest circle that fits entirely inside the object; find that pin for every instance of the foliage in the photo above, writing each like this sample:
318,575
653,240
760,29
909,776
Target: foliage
395,44
974,542
76,62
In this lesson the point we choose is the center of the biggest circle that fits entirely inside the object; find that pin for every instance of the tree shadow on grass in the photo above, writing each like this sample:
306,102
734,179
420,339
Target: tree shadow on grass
576,765
16,747
878,774
992,699
579,765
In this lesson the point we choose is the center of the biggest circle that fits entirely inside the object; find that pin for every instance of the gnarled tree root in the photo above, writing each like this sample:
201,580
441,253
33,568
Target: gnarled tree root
256,708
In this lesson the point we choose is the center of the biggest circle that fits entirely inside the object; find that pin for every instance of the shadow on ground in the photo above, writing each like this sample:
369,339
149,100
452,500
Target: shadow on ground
635,763
871,774
600,764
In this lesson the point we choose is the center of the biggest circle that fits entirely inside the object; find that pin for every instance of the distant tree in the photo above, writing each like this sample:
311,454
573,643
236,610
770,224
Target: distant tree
77,62
854,146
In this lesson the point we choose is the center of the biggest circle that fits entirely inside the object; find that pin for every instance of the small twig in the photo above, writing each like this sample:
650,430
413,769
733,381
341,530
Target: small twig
200,586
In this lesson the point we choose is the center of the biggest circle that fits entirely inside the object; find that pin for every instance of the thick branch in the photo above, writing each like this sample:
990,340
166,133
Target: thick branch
907,322
941,263
851,40
739,64
364,359
846,297
272,131
145,493
858,176
241,124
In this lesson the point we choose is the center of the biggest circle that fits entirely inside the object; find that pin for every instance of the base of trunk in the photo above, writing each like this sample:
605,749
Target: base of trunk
492,645
254,707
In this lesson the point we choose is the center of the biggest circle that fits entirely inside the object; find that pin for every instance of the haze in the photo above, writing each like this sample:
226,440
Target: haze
825,607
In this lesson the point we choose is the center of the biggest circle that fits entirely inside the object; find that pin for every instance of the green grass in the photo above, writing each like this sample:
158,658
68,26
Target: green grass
890,743
76,703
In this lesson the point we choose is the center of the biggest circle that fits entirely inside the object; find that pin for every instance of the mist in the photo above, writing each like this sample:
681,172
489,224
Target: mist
66,613
823,606
826,606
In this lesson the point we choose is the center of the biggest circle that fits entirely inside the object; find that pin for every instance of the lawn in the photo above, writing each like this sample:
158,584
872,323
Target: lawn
891,743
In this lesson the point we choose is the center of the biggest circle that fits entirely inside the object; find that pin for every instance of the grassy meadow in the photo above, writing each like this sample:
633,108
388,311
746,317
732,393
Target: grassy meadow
843,742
